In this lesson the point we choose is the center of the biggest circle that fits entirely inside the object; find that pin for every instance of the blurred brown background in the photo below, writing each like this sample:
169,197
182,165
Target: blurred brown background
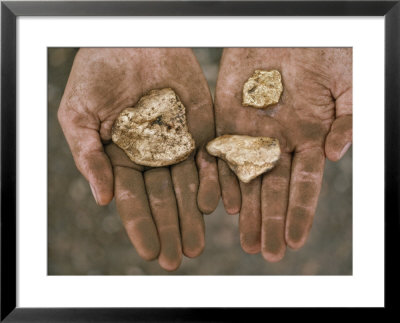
86,239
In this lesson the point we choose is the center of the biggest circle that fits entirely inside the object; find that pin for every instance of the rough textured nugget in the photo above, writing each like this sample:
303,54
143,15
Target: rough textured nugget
262,89
248,157
154,132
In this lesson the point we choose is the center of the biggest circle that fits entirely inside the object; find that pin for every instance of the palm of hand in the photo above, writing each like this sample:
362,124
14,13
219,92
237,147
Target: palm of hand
161,208
277,208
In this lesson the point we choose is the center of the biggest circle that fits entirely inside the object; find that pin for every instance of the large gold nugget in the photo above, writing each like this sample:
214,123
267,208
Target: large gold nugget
154,132
247,156
262,89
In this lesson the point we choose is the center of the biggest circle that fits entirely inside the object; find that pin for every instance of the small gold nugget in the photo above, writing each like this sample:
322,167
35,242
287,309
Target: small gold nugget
154,132
248,157
262,89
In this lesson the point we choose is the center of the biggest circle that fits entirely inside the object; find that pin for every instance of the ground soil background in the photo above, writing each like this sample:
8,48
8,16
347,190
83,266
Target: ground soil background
86,239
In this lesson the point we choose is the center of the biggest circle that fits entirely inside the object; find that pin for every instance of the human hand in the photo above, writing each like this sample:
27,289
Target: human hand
161,208
313,119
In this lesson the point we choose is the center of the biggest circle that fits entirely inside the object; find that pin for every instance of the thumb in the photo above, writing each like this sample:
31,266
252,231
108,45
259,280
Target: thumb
339,137
89,156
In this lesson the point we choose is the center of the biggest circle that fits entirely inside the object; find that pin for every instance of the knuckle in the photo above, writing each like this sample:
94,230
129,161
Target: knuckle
277,183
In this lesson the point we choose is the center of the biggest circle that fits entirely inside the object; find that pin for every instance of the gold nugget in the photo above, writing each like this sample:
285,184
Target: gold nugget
262,89
154,132
248,157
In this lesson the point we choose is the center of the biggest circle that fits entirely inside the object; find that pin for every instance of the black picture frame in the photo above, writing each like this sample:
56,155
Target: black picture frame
9,13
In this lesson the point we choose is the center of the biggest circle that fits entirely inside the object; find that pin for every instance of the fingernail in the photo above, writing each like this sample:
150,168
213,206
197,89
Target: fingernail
94,193
344,149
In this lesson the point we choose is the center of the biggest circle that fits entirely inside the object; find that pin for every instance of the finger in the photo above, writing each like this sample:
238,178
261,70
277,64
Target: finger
209,191
250,216
229,188
274,202
134,210
163,207
89,157
186,184
339,137
305,185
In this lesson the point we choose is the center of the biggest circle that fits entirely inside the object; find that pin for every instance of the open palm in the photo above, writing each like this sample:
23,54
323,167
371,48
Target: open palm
313,119
161,208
